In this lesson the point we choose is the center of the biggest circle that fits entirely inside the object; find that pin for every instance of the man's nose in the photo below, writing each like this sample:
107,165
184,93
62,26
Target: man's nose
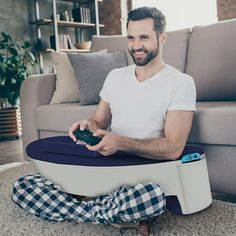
137,44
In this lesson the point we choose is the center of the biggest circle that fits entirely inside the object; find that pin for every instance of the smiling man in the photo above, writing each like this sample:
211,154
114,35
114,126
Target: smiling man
149,106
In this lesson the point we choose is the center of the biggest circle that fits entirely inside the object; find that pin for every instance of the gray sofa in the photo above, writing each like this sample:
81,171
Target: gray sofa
207,53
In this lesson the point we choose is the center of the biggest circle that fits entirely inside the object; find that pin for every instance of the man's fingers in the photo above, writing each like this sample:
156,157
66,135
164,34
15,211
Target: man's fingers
72,136
85,124
91,148
95,147
73,127
100,132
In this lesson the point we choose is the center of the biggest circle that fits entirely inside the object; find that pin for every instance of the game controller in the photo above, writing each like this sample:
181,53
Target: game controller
191,157
87,136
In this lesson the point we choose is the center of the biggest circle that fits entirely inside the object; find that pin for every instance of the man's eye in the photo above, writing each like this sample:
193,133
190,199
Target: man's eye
144,37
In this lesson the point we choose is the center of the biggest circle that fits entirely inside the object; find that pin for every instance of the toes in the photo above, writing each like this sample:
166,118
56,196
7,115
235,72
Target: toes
143,228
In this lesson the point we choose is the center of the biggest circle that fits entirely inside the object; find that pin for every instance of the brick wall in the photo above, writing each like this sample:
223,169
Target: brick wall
110,16
226,9
113,14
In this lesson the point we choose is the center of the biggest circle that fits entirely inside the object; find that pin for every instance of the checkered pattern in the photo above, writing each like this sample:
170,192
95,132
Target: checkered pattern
127,204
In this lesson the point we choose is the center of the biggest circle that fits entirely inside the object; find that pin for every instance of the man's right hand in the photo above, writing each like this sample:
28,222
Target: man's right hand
82,125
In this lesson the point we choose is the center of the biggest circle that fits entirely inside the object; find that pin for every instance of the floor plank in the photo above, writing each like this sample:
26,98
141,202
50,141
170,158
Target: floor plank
11,151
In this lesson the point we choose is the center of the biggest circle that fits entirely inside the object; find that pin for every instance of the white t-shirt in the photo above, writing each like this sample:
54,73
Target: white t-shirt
139,108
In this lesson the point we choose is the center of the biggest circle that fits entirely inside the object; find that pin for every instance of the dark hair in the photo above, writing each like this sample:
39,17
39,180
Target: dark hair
142,13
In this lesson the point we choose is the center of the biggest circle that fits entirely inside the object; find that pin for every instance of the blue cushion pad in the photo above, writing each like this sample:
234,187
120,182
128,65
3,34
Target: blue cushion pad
65,145
63,150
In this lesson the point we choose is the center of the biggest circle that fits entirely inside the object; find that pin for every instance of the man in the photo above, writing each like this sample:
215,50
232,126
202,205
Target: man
152,118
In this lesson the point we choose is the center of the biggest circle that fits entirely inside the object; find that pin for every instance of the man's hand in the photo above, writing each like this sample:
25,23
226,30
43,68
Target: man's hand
108,145
100,120
82,125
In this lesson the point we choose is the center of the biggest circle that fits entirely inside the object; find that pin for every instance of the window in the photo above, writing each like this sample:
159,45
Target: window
183,13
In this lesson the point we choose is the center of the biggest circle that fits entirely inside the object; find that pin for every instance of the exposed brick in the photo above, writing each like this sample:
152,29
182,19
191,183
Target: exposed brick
113,14
226,9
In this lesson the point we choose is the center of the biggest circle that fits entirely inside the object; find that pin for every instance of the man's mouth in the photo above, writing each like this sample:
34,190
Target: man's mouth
139,53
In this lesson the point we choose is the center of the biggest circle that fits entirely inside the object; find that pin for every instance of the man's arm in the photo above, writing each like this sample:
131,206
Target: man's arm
102,116
177,127
170,147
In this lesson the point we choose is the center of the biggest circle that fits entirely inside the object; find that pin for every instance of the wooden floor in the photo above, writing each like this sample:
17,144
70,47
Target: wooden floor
12,151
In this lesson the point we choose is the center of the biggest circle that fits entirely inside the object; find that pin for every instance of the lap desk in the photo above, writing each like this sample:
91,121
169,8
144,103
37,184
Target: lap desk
77,170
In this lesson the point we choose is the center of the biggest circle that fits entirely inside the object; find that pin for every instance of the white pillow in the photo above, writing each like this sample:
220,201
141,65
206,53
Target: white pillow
67,89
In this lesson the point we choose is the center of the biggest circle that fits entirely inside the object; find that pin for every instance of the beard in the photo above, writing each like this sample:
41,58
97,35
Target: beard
150,55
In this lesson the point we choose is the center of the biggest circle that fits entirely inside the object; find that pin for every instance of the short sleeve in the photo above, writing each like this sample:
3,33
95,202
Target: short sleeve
184,95
105,91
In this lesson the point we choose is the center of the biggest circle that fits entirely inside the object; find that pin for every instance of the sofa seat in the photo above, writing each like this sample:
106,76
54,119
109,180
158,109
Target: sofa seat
213,123
59,117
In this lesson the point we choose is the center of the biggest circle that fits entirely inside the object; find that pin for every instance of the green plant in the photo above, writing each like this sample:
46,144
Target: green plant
16,62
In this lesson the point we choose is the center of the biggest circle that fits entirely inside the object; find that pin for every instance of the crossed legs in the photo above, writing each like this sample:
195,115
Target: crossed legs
126,207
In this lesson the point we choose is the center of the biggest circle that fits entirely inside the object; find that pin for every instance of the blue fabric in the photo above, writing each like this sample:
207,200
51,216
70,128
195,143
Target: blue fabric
64,150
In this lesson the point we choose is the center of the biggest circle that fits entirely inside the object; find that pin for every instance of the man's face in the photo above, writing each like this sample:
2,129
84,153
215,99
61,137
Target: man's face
143,42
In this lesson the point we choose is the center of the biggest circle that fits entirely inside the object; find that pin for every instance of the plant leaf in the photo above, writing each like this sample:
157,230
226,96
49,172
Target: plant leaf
16,60
32,57
27,44
12,98
1,58
6,36
3,91
13,51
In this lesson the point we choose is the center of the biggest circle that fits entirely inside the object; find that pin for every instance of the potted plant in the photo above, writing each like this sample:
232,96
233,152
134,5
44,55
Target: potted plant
16,61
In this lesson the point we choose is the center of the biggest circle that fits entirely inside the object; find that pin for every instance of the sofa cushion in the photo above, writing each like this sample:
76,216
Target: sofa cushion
91,71
175,48
59,117
214,123
67,89
113,43
211,61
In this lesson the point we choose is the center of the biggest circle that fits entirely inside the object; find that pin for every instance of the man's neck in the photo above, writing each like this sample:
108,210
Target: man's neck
153,67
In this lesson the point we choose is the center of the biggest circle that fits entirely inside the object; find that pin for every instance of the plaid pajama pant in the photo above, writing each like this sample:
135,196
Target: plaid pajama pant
46,200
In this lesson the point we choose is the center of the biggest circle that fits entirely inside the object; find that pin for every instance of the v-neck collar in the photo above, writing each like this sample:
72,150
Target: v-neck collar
155,76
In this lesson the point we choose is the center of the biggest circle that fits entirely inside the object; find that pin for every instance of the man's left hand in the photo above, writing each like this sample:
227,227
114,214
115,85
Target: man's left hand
108,145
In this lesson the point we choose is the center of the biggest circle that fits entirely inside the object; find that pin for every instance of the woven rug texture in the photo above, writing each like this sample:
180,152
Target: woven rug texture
218,219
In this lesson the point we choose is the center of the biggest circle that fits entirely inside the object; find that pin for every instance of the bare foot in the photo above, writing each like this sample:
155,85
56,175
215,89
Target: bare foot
143,228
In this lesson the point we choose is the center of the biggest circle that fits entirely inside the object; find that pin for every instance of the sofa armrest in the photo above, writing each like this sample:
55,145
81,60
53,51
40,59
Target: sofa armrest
35,91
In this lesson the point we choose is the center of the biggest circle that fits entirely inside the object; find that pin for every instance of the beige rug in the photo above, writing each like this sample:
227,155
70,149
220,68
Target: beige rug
218,219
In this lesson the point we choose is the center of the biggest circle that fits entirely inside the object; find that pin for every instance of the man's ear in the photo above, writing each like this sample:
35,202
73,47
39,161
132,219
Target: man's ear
162,38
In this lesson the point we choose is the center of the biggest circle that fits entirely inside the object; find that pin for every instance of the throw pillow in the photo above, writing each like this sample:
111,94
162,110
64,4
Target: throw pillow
66,86
91,71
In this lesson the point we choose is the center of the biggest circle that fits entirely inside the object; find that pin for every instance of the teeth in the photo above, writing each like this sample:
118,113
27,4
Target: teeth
139,53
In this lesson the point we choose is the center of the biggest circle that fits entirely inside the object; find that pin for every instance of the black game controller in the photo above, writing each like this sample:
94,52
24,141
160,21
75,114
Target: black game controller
87,136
